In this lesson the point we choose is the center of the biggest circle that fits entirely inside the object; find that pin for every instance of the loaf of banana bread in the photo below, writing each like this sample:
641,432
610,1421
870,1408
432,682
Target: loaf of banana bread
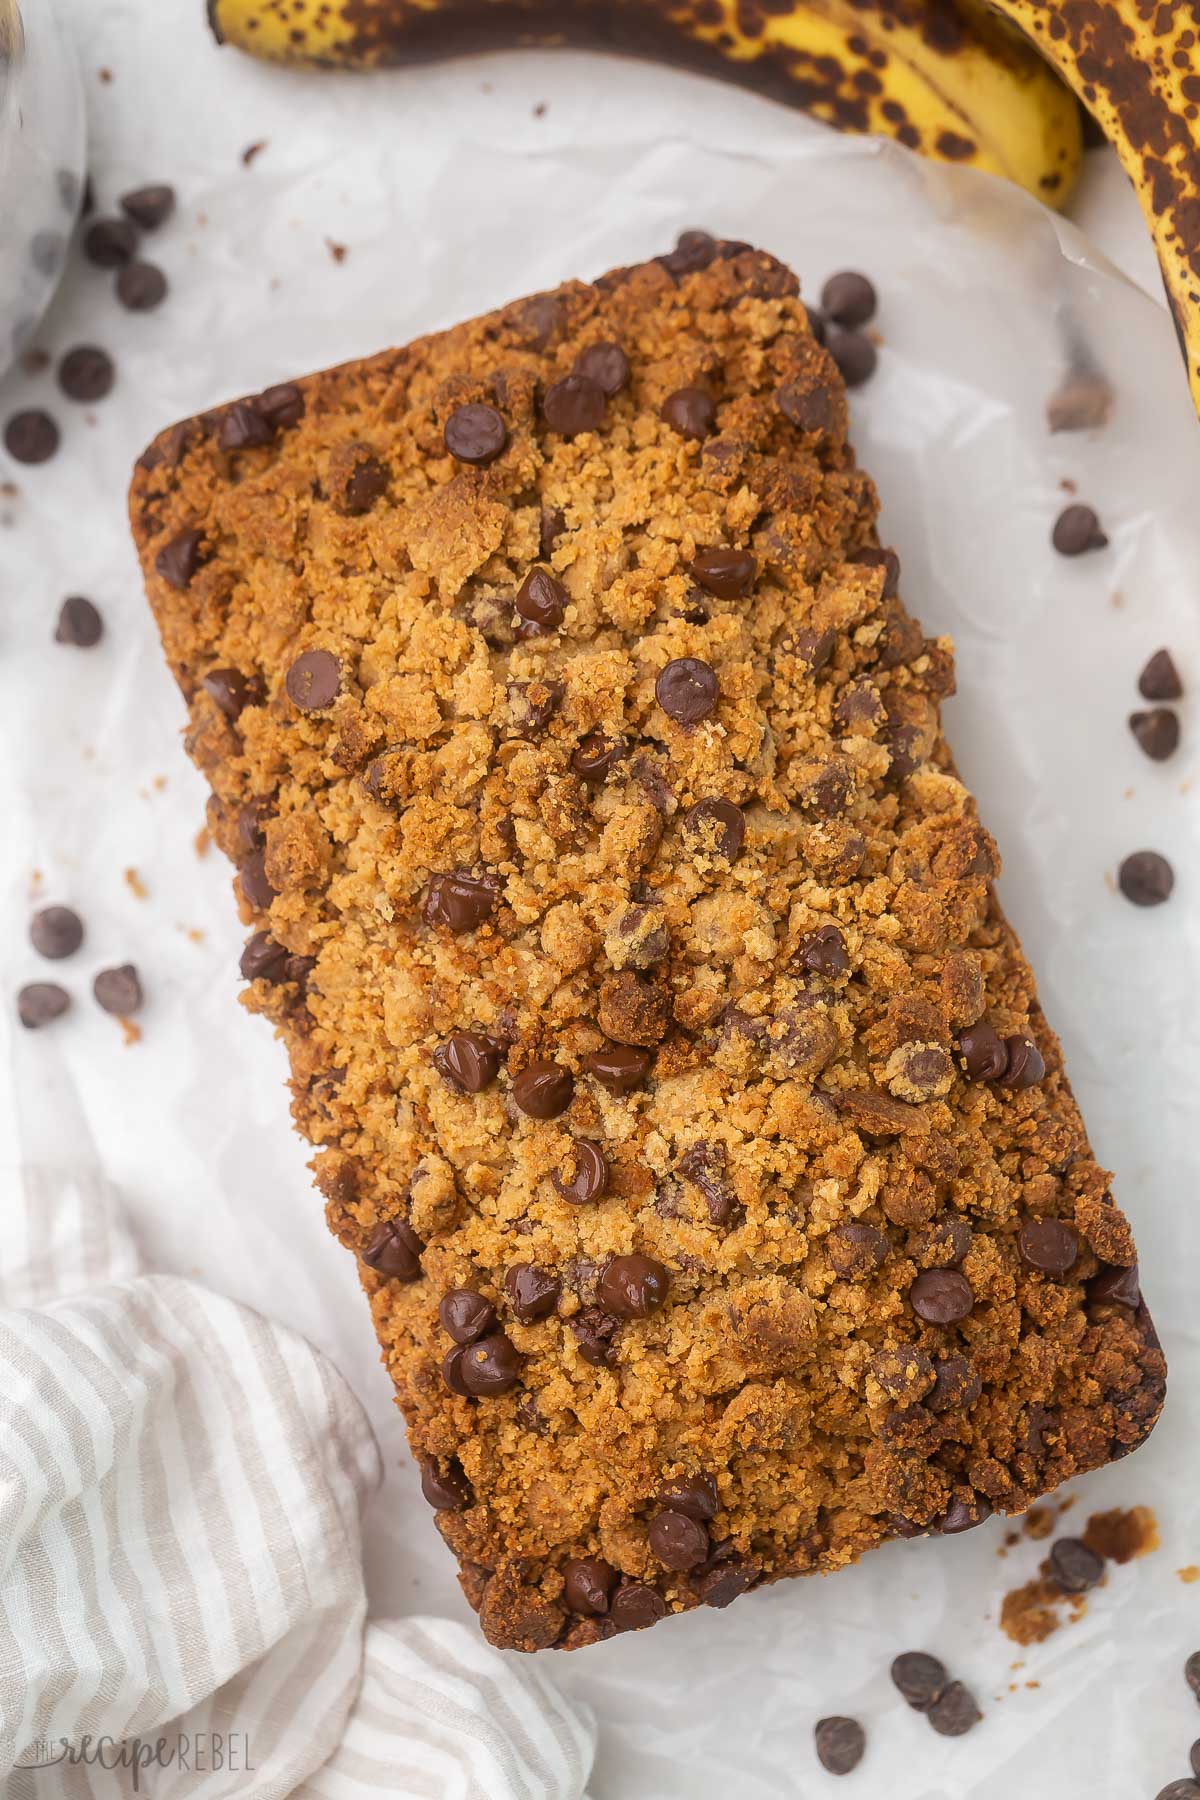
674,1074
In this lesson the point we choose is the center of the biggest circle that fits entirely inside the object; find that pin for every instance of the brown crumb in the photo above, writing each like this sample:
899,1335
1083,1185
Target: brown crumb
1011,1538
336,250
1116,599
104,75
1084,402
1064,1506
202,842
1123,1534
131,1030
1031,1613
36,878
539,111
1068,486
9,489
136,885
1039,1522
159,784
253,150
1189,1574
194,935
34,361
1033,1684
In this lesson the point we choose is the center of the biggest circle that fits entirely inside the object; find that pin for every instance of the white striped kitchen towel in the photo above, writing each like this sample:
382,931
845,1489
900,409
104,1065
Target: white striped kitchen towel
182,1612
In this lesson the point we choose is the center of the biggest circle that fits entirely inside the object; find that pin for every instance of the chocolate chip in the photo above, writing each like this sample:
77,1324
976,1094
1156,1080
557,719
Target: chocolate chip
149,206
31,436
109,243
855,356
56,932
920,1678
588,1178
634,1286
824,953
724,1581
816,324
141,286
1159,680
1115,1286
693,1495
314,680
460,902
250,823
1191,1672
1077,529
1194,1757
678,1541
1187,1789
79,623
475,434
956,1383
118,990
840,1744
394,1249
588,1581
40,1003
619,1068
282,405
605,364
86,373
1074,1567
729,574
941,1296
232,691
687,690
491,1366
812,648
1025,1066
179,559
636,1605
809,408
448,1490
690,412
252,873
243,427
595,1331
466,1315
543,1089
856,1250
954,1712
716,827
848,299
904,1373
1146,878
703,1164
452,1371
551,526
959,1516
595,755
573,405
1156,732
468,1061
983,1052
263,959
532,1292
541,599
871,557
694,250
1048,1245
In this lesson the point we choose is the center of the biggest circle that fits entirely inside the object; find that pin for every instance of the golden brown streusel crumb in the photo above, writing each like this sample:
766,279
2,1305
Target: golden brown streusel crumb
721,1200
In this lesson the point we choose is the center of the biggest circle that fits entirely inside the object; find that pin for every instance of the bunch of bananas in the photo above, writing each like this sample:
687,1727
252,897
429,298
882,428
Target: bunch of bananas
982,82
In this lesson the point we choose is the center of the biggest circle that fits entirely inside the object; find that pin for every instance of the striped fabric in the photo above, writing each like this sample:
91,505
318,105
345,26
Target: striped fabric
181,1485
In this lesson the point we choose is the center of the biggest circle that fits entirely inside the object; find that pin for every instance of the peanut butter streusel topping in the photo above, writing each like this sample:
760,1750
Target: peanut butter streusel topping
675,1077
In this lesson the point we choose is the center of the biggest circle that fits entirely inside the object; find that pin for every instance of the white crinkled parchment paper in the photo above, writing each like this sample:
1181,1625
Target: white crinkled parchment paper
450,196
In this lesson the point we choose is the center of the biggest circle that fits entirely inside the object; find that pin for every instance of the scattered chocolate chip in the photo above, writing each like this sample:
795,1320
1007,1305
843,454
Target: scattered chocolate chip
452,1371
1048,1245
983,1052
40,1003
694,250
31,436
541,599
118,990
687,690
149,206
855,356
466,1315
314,680
848,299
1194,1757
1025,1066
460,902
954,1712
619,1068
1074,1567
824,953
941,1296
491,1366
232,691
468,1061
543,1089
595,755
716,826
141,286
589,1174
729,574
573,405
56,932
677,1540
79,623
1115,1286
109,243
86,373
871,557
634,1286
595,1331
179,559
635,1605
532,1292
1156,732
920,1678
588,1581
605,364
252,873
263,959
959,1516
1191,1672
840,1744
690,412
1187,1789
1146,878
448,1490
694,1495
475,434
1159,680
394,1249
809,408
1077,529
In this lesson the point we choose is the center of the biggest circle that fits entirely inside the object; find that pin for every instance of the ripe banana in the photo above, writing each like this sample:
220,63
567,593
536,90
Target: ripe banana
953,83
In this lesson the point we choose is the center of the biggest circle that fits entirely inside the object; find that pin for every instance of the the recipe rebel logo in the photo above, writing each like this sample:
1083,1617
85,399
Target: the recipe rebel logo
201,1753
